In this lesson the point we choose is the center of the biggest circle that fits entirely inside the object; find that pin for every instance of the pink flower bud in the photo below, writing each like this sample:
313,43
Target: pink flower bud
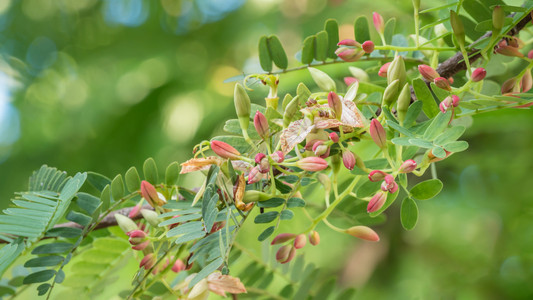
263,165
376,202
283,253
136,234
363,232
140,246
389,185
134,211
448,102
314,238
312,164
178,266
433,158
254,175
530,54
350,80
349,54
224,150
291,255
479,74
259,157
348,159
282,238
442,83
217,226
368,46
428,72
455,100
348,42
334,137
527,81
320,149
408,166
509,85
377,132
149,193
376,175
450,80
334,102
261,124
379,24
383,70
278,157
148,261
509,51
300,241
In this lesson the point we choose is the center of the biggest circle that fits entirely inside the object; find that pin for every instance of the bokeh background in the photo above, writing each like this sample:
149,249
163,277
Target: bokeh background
102,85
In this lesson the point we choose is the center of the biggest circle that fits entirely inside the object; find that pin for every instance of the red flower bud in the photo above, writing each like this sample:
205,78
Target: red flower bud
442,83
530,54
178,266
283,253
320,149
379,24
134,211
527,81
334,137
148,261
428,72
348,42
259,157
350,80
300,241
479,74
377,132
389,185
261,124
312,164
140,246
368,46
509,51
224,150
408,166
334,102
254,175
149,193
363,232
455,100
349,54
282,238
376,202
450,80
263,165
348,159
509,85
278,157
376,175
314,238
383,70
291,255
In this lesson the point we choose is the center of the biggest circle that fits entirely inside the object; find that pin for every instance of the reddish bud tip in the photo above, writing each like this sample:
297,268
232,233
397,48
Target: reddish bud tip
148,261
334,102
300,241
508,50
363,232
379,24
314,238
530,54
389,185
178,266
377,132
348,42
283,253
376,202
349,54
350,80
149,193
140,246
320,149
428,72
383,70
479,74
348,159
278,157
282,238
408,166
376,175
442,83
134,211
312,164
262,163
254,175
259,157
334,137
261,124
224,150
368,46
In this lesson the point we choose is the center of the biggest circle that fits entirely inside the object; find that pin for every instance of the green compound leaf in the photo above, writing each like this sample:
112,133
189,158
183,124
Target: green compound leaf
426,189
409,213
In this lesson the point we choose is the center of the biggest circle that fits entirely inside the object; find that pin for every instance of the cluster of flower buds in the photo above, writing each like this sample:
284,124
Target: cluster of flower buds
293,242
449,102
350,50
138,239
516,85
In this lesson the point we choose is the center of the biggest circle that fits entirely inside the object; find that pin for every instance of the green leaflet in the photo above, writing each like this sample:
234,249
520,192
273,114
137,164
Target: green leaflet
423,94
277,53
409,213
150,171
308,50
133,181
361,31
210,268
332,29
321,46
117,187
264,56
266,233
437,126
172,173
426,189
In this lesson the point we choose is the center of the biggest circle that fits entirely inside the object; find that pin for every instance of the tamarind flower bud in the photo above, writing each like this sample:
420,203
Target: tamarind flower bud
349,42
134,211
242,106
334,102
282,238
149,193
530,54
479,74
262,163
391,93
527,81
312,164
324,181
348,159
404,100
125,223
379,24
350,80
151,217
254,175
383,70
261,125
255,196
283,253
450,80
509,85
377,201
300,241
377,132
148,261
397,71
278,156
368,46
448,102
376,175
320,149
314,238
498,18
509,51
178,266
428,72
141,246
224,150
442,83
455,100
321,79
408,166
363,232
349,54
334,137
389,185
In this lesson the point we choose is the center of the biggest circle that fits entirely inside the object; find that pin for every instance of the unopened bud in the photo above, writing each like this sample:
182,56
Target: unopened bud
278,156
349,54
320,150
300,241
359,74
312,164
350,80
376,175
334,137
368,46
383,70
498,18
408,166
325,181
262,163
322,79
282,238
376,202
134,211
377,132
125,223
261,125
479,74
151,217
348,159
283,253
290,110
530,54
455,100
178,266
389,185
442,83
334,102
527,81
314,238
149,193
397,71
379,24
349,42
458,28
363,232
509,85
404,100
242,106
224,150
148,261
255,196
390,95
140,246
254,175
509,51
428,72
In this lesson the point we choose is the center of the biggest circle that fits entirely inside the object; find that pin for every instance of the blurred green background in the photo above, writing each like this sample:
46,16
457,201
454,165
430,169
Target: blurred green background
102,85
